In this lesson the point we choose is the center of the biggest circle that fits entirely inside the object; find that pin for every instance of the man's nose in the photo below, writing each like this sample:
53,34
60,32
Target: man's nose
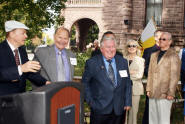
25,35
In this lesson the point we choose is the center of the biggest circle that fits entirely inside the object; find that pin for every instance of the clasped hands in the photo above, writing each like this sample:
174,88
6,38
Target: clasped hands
168,97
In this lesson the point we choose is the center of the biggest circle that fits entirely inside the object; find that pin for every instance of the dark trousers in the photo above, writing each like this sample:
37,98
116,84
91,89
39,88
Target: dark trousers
182,82
106,119
146,112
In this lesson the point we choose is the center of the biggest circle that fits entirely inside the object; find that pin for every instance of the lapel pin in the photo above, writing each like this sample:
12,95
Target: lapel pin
102,67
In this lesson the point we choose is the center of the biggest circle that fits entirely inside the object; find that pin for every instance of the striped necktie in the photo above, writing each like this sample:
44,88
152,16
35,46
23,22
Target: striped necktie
111,73
17,57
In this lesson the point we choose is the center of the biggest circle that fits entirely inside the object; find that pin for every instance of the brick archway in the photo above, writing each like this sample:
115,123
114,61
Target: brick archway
82,27
82,19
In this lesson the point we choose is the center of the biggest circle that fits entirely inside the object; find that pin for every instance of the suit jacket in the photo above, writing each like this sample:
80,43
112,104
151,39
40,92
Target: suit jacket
146,55
100,93
138,66
10,81
47,58
163,76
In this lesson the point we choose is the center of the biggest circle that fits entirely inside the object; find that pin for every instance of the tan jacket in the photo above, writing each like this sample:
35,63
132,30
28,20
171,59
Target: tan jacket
164,75
138,66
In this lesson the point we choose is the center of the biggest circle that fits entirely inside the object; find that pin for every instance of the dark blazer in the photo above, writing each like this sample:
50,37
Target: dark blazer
146,55
100,93
10,81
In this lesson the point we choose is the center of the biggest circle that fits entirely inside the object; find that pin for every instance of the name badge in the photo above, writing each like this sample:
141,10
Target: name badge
73,61
123,73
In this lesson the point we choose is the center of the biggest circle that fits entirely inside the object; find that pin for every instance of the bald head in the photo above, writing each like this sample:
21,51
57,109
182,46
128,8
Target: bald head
61,38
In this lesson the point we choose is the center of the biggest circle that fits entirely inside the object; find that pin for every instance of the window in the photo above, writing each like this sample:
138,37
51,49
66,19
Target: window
184,15
154,10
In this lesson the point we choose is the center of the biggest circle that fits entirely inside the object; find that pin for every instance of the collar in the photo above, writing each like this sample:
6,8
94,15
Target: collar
105,60
11,46
57,50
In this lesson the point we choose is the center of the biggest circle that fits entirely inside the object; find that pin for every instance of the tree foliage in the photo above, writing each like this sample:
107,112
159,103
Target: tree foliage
36,14
92,34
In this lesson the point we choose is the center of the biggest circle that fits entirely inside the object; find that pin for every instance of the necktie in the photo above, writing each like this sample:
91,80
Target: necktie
16,57
111,73
66,67
60,68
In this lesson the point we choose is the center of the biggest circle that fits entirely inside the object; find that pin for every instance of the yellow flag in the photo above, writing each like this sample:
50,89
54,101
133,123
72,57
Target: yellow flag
147,37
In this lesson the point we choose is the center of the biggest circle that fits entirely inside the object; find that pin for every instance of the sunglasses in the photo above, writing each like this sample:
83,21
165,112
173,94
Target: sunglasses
164,39
129,46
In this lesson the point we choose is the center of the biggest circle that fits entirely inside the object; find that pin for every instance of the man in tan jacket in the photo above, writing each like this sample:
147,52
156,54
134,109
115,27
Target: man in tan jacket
163,76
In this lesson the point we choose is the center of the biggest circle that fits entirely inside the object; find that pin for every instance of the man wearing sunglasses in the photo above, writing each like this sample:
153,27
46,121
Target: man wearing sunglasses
146,55
163,76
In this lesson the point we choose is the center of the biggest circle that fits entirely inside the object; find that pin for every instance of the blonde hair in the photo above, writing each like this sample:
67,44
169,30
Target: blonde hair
138,52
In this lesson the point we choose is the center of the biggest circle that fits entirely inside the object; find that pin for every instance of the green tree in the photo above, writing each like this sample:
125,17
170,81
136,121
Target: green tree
73,36
36,14
92,34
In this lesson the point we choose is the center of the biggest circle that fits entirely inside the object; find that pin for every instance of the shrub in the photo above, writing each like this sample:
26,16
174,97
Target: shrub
81,59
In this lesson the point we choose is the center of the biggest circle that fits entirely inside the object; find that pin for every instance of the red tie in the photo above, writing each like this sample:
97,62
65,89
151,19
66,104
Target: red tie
17,57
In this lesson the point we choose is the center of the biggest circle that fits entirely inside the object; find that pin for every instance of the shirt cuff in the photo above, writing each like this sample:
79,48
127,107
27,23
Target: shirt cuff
19,70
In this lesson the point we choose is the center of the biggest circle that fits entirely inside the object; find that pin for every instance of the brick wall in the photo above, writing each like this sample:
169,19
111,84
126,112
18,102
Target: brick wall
173,19
115,12
138,14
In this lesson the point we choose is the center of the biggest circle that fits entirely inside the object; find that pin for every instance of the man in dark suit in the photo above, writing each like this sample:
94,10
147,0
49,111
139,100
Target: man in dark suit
15,67
107,84
146,55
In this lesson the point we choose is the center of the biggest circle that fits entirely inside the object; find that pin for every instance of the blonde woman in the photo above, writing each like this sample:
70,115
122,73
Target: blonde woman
136,68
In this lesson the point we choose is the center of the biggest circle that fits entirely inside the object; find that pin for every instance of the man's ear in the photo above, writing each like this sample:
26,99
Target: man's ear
170,42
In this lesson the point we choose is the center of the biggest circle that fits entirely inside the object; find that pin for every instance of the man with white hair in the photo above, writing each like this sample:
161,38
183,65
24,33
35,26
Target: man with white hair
15,67
107,84
163,77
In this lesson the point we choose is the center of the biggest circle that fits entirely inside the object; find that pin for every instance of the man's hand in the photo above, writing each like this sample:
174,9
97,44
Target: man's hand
170,97
48,82
30,66
127,108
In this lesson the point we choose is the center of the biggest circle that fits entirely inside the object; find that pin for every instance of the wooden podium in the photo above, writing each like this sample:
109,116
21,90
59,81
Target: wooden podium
57,103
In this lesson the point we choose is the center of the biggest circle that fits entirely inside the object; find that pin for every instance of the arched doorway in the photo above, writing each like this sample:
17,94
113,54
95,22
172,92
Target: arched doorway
83,32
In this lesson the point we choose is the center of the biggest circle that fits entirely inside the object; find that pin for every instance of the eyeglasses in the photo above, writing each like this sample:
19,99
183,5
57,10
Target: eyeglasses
129,46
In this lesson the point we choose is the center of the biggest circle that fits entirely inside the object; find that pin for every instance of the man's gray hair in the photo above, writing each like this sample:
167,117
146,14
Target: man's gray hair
105,37
169,35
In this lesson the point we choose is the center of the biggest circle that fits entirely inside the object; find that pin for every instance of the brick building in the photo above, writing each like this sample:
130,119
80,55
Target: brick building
126,18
